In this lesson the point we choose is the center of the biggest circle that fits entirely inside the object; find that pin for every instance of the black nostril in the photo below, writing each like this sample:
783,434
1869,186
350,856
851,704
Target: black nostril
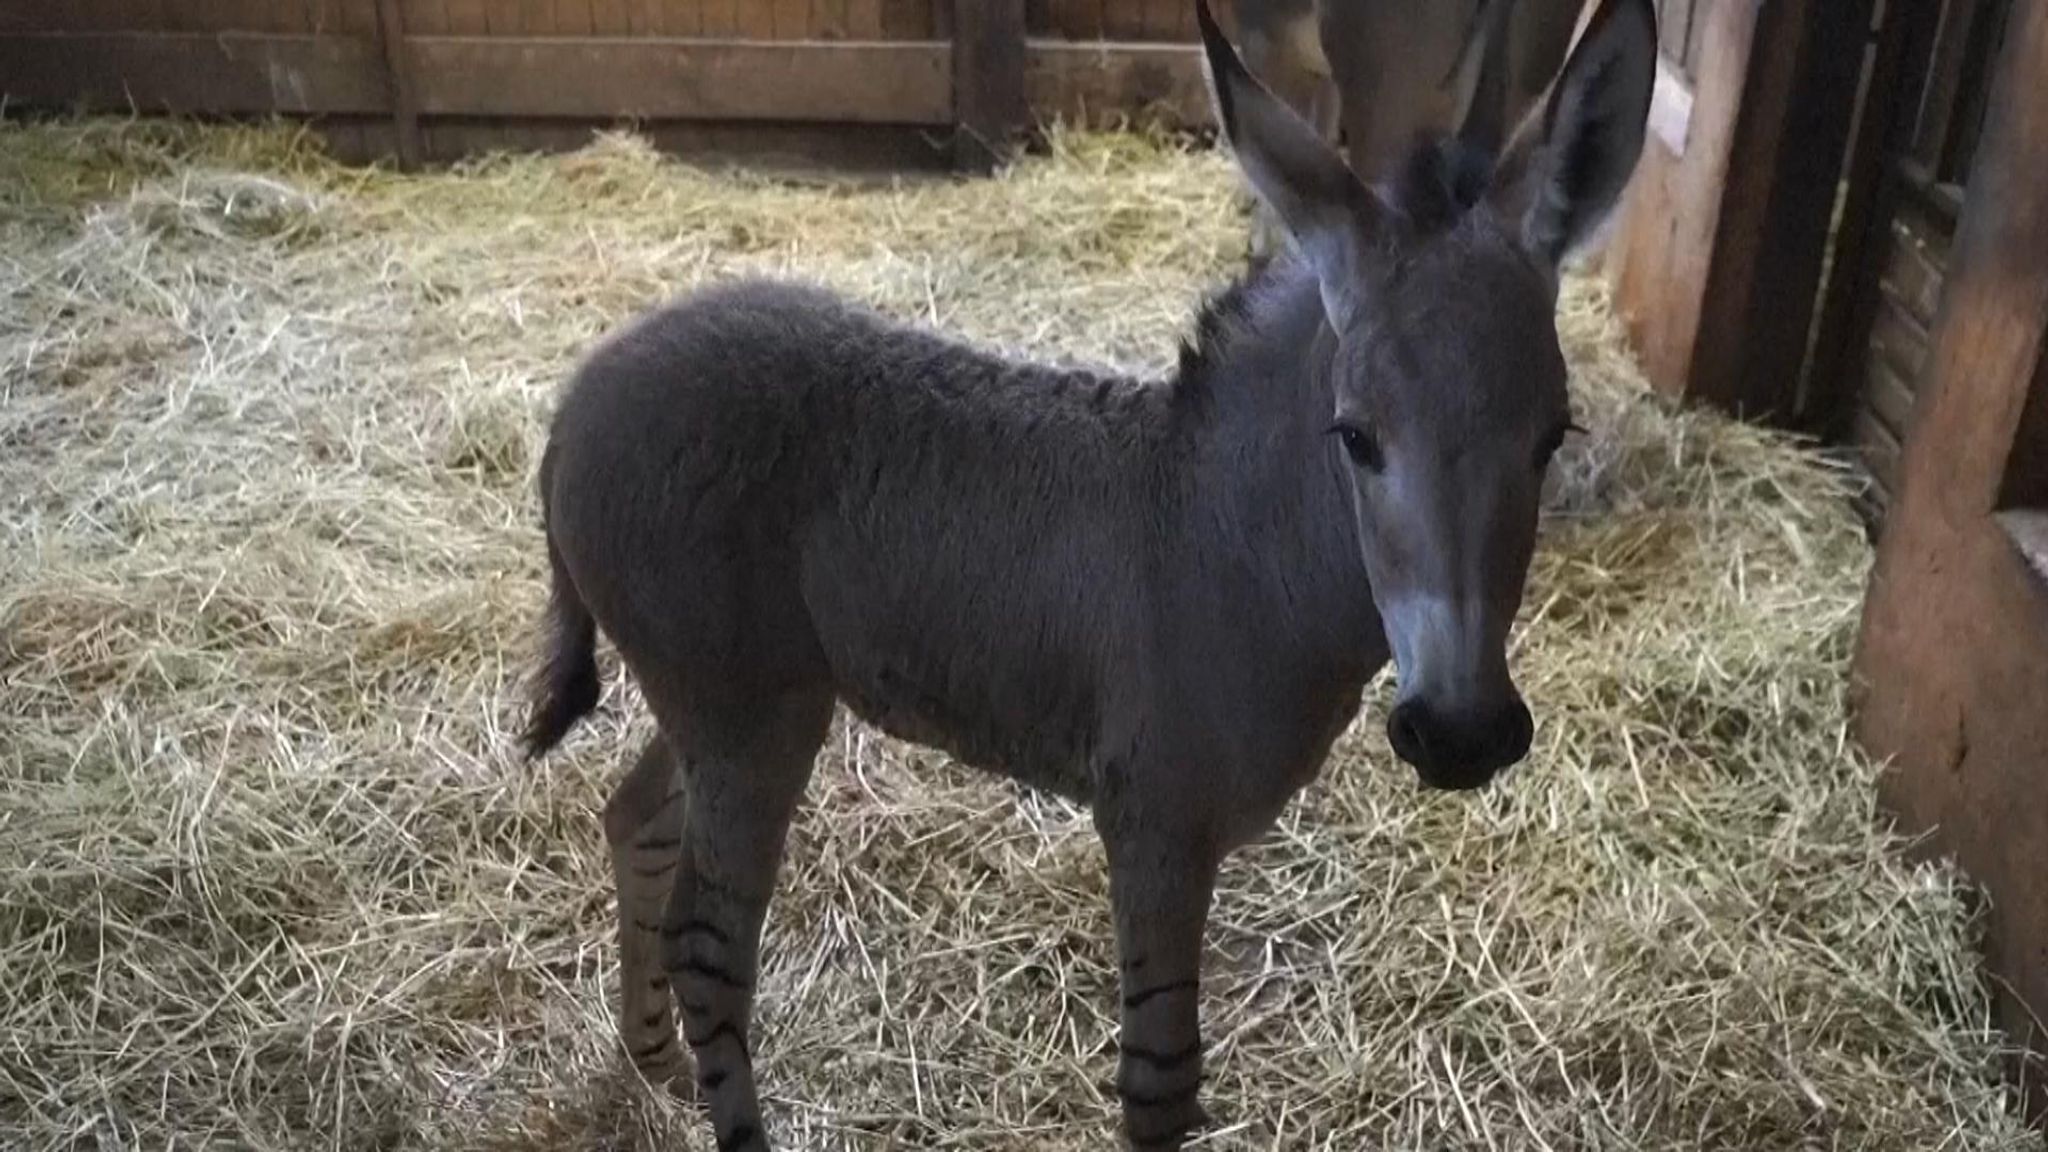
1510,734
1405,731
1518,728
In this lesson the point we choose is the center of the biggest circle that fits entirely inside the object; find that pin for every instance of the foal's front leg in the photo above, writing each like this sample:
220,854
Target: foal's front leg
1160,885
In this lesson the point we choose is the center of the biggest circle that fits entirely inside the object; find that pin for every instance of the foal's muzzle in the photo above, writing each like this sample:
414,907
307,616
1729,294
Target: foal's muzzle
1456,752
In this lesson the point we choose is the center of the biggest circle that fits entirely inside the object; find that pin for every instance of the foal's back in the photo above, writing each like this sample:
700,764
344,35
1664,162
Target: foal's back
763,488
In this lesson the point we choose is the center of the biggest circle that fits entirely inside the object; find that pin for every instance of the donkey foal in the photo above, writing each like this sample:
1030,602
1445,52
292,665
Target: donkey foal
1161,599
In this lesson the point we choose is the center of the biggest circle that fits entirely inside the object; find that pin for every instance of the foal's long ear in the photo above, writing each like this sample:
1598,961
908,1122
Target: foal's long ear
1567,166
1332,217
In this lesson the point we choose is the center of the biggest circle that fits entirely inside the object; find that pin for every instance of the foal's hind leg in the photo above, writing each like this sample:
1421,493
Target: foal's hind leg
743,788
643,821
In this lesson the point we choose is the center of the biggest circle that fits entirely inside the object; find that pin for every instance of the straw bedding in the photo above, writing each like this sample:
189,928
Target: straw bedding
271,875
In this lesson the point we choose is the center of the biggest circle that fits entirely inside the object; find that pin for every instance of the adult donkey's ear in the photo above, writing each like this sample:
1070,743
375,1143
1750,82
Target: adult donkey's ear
1567,167
1333,218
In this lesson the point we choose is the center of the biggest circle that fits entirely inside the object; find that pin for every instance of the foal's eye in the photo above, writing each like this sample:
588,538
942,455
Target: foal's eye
1361,446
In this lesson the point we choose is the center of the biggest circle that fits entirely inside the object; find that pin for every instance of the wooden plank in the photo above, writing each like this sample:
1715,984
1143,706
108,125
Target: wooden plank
1933,130
1781,186
1966,119
722,17
1721,248
229,16
467,18
1889,397
1862,237
1919,184
359,17
684,17
591,78
52,16
611,18
323,17
989,107
1995,303
1672,18
906,19
1880,450
534,17
828,20
189,72
1162,20
879,83
789,19
1123,19
178,16
1695,16
1898,340
1952,662
398,80
288,16
756,19
1080,19
344,140
864,19
425,17
1038,22
1089,83
1914,269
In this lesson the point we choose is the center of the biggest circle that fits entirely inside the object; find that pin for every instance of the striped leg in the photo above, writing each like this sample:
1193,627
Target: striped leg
643,821
1160,892
741,803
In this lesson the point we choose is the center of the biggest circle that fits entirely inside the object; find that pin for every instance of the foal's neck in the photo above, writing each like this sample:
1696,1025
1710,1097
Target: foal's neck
1269,487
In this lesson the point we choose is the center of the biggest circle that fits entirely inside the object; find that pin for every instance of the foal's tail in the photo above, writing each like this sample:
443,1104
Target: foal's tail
568,687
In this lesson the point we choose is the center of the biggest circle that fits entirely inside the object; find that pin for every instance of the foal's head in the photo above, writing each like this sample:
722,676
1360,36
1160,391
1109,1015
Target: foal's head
1448,383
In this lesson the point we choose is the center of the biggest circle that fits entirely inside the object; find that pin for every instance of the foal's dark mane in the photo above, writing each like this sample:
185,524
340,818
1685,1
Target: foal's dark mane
1220,322
1432,190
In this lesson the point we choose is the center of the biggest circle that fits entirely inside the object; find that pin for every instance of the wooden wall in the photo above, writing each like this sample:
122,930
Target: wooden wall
1719,254
1164,20
734,19
1952,665
1681,25
1926,131
1125,20
862,82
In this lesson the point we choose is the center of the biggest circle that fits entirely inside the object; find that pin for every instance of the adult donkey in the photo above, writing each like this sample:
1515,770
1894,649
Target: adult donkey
1373,75
1161,599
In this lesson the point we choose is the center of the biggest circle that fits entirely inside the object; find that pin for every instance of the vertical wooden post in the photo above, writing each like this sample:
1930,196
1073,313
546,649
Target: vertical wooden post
1718,259
988,81
1851,292
405,115
1952,665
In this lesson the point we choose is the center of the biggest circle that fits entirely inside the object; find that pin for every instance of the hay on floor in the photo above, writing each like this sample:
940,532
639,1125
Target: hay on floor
271,875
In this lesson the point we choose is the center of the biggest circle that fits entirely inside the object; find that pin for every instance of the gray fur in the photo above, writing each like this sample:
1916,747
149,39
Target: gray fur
1161,599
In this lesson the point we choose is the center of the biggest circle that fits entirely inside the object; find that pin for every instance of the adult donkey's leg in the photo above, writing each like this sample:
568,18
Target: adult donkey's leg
743,784
1161,877
643,821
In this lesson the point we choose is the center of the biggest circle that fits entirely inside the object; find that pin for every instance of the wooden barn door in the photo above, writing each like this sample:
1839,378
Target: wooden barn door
1951,676
1926,90
1718,256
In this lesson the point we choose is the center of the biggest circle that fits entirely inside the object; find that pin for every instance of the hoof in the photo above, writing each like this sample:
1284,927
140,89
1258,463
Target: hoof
681,1087
1190,1120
